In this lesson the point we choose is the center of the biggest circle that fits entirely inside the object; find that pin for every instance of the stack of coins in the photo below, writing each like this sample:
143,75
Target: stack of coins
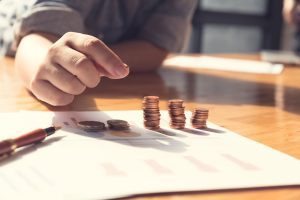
199,118
118,125
177,115
91,126
151,112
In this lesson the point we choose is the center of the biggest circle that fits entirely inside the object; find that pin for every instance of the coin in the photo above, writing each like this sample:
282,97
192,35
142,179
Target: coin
151,111
91,126
151,114
151,98
200,126
177,126
150,106
176,103
201,110
199,118
177,113
117,124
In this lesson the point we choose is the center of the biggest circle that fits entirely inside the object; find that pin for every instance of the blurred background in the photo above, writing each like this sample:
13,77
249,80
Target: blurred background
243,26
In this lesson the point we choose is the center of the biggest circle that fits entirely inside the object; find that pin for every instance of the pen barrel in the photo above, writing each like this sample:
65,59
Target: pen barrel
31,137
7,146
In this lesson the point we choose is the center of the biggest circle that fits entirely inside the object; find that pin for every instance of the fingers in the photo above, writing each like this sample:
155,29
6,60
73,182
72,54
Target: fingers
72,63
63,80
77,64
46,92
93,48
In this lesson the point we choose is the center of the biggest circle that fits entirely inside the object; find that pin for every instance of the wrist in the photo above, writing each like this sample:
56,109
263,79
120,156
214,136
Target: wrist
30,55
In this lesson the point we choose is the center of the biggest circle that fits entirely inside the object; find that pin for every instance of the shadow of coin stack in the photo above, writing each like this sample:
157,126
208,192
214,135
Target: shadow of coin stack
199,118
151,112
177,115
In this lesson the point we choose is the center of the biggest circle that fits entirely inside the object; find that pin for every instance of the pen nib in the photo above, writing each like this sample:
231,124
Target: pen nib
52,129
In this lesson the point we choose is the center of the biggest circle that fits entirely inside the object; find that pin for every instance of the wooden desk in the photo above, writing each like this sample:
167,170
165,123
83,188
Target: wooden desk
265,108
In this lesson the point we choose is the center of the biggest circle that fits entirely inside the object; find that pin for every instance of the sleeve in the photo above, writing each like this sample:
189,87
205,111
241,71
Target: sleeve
169,25
10,11
51,16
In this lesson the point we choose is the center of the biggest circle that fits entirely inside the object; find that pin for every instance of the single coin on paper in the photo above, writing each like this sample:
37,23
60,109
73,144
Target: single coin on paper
117,124
91,126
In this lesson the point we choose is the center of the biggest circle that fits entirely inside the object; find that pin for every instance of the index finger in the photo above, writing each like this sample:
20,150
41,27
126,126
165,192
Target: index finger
103,56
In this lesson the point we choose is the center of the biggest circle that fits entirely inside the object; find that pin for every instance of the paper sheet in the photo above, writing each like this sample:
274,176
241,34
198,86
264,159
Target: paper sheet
73,164
224,64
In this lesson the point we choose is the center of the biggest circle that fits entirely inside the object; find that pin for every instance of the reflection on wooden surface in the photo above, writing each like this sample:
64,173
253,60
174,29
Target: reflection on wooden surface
265,108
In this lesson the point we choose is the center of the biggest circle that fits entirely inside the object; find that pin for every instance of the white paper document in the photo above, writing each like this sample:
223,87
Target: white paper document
73,164
224,64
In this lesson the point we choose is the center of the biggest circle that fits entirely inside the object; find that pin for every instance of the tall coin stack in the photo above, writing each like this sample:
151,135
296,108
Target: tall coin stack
151,112
199,118
177,115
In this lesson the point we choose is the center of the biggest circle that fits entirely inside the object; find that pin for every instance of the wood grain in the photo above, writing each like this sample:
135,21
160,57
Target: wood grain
265,108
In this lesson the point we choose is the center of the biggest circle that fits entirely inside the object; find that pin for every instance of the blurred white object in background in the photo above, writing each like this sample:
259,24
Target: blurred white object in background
284,57
224,64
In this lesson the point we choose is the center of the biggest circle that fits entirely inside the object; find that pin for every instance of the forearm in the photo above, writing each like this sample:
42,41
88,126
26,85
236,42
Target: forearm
140,55
31,53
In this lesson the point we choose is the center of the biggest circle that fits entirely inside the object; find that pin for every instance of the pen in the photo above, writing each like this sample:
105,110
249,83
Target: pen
10,145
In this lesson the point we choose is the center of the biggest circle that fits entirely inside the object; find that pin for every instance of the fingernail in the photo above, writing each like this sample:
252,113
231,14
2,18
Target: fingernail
122,71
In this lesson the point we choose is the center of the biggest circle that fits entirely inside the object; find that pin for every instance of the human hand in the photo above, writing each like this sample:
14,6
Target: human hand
291,11
73,63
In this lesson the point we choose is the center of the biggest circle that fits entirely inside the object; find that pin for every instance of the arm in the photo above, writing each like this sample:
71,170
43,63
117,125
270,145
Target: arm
140,55
31,53
291,11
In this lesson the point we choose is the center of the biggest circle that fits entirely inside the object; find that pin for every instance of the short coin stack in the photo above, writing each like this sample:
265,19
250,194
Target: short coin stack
151,112
199,118
118,125
91,126
177,115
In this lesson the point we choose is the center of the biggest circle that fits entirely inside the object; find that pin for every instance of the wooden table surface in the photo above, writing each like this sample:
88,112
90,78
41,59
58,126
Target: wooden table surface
265,108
